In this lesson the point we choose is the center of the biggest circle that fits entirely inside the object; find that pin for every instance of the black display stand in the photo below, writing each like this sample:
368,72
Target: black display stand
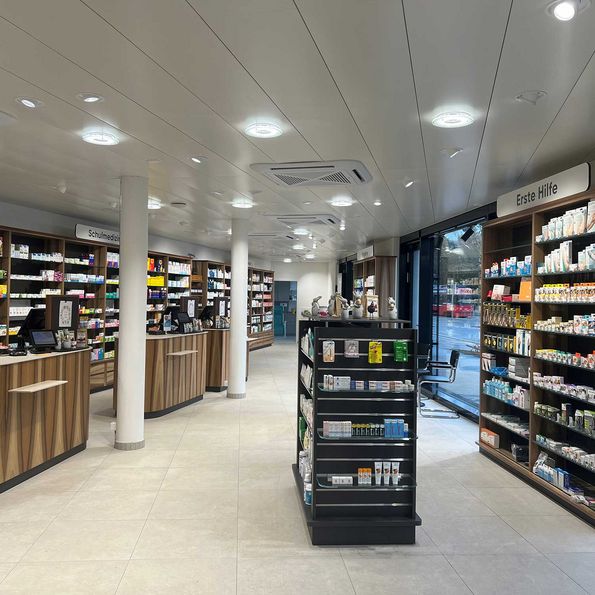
358,514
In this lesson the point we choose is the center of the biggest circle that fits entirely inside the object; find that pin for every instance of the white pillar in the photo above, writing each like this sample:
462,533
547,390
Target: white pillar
134,244
239,309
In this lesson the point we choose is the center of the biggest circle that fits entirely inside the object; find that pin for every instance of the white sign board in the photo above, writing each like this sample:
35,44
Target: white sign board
365,253
566,183
96,234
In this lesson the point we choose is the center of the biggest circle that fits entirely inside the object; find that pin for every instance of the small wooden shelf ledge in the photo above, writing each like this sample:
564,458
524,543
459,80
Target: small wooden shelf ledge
38,386
182,353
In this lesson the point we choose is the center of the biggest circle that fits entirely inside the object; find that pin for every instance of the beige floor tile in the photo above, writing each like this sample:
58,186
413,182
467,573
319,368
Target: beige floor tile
178,539
476,535
17,538
513,575
579,567
57,479
138,458
277,538
423,546
208,503
449,502
125,479
5,569
89,458
196,478
180,577
518,501
65,540
65,578
32,505
554,534
194,458
162,442
414,575
124,505
272,504
293,576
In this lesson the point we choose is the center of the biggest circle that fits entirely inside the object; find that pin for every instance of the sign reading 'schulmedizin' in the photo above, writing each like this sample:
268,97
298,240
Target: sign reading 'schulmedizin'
96,234
566,183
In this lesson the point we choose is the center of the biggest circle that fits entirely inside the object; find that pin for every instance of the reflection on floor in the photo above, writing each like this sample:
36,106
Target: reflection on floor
210,507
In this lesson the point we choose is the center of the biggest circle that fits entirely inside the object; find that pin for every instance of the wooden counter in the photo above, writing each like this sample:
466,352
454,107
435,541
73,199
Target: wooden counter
217,359
44,412
175,373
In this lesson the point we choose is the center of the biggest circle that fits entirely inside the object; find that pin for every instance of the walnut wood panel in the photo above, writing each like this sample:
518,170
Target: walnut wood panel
260,340
38,427
217,359
170,382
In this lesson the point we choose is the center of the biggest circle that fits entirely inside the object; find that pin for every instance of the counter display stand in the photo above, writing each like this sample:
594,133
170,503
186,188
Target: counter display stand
345,508
536,414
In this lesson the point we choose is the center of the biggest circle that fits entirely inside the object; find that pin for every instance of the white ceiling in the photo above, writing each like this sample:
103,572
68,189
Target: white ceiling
346,79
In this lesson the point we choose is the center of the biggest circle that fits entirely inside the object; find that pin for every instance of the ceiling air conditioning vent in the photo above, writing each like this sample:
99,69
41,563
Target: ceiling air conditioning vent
306,220
315,173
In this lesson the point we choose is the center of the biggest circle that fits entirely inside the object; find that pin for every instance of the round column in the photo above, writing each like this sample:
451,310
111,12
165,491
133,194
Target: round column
134,245
239,309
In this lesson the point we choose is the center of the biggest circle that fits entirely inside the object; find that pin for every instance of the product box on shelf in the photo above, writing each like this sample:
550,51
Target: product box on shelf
490,437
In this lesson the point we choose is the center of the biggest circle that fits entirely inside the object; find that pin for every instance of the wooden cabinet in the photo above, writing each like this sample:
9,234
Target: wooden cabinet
175,372
44,412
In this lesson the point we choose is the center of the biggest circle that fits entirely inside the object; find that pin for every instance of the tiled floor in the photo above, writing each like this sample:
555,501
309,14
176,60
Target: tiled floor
210,507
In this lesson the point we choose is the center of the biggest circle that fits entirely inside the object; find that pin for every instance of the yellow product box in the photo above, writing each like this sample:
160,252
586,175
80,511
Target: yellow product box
155,281
375,352
3,290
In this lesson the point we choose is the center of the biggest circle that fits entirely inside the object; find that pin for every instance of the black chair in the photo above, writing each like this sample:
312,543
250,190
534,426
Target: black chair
430,374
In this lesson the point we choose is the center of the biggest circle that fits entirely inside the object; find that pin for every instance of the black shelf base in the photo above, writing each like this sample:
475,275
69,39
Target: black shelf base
356,530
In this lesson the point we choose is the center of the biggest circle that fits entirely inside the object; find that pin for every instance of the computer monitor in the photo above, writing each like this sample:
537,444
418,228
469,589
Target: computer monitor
43,340
183,318
35,321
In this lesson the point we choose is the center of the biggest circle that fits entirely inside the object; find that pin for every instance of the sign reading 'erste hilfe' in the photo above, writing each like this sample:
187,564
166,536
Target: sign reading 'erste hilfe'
96,234
566,183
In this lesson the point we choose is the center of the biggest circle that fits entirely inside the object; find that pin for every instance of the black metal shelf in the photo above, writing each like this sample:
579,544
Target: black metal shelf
358,514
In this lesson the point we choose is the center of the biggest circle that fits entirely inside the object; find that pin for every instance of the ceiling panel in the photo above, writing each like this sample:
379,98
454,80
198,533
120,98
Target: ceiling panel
540,53
364,44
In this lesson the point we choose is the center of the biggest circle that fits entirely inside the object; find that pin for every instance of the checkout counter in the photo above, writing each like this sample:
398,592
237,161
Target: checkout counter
175,373
44,412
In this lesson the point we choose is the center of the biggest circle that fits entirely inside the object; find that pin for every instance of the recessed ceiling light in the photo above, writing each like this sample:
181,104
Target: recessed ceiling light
301,231
154,203
90,97
264,130
451,152
314,245
310,256
342,226
29,102
199,159
566,10
98,137
342,201
229,231
531,97
298,247
307,202
216,193
377,203
179,204
242,202
452,120
287,260
408,182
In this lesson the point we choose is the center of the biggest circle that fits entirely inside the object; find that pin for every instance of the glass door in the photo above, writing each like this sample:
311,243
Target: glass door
456,311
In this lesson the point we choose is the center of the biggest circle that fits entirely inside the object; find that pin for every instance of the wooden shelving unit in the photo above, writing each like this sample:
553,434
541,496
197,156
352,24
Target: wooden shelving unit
376,276
87,269
261,284
516,236
359,513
